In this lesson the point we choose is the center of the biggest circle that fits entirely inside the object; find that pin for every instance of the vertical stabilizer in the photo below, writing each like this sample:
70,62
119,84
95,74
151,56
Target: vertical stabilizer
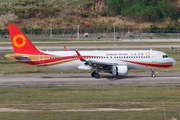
20,42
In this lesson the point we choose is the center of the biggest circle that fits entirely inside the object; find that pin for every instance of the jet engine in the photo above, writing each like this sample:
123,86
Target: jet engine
119,70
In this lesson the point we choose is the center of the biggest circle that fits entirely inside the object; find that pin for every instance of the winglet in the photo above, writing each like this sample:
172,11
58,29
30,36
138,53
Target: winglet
65,48
79,56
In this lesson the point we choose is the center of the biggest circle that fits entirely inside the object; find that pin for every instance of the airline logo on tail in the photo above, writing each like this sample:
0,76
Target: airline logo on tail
19,40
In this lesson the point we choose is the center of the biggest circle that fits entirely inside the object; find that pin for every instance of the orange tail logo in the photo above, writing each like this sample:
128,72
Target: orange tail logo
19,40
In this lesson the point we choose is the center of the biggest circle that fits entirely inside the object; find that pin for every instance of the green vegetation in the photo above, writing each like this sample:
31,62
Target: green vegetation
88,13
26,9
50,102
144,10
167,29
141,10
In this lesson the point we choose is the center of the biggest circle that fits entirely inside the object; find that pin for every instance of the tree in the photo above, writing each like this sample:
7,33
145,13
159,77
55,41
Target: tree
144,10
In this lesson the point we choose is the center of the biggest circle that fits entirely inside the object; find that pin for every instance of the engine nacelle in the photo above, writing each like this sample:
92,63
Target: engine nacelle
119,70
84,67
122,70
114,70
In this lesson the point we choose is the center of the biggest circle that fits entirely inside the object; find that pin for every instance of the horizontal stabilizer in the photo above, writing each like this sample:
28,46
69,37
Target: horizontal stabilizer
25,58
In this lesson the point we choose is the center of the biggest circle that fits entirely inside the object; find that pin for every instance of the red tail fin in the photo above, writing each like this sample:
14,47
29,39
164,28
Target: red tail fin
20,42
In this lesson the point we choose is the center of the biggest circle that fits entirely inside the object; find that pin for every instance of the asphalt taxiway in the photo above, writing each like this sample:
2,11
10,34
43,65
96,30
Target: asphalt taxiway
106,47
86,79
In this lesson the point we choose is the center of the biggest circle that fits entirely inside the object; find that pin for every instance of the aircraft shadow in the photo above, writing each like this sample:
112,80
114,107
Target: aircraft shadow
68,76
113,78
107,77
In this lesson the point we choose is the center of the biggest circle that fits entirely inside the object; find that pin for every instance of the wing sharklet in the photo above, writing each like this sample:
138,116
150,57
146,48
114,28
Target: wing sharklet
80,56
65,48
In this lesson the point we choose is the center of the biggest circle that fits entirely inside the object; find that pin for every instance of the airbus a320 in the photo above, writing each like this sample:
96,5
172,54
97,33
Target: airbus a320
115,62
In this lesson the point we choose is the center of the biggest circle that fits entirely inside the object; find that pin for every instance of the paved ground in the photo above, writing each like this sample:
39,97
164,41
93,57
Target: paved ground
114,47
85,79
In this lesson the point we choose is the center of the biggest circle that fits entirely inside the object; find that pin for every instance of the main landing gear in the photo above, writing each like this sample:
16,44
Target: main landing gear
95,74
153,74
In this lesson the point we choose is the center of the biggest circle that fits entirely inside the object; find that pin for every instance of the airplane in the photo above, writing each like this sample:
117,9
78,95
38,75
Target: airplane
115,62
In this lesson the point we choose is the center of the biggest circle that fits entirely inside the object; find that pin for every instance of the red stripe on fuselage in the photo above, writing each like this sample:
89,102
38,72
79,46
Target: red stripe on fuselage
158,65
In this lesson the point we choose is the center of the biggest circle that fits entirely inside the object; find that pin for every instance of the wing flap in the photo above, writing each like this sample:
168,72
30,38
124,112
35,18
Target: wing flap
98,63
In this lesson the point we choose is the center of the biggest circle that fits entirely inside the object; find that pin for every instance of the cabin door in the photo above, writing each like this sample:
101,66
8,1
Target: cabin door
41,58
154,57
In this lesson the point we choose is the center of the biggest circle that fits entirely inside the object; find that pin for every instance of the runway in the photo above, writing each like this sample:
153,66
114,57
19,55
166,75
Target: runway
86,79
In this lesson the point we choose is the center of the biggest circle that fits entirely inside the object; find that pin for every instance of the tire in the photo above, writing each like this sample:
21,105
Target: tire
96,75
153,75
92,74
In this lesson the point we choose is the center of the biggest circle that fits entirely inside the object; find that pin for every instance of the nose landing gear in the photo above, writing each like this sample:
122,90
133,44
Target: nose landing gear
153,74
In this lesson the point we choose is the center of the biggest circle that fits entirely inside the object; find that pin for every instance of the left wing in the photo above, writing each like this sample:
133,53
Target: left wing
113,68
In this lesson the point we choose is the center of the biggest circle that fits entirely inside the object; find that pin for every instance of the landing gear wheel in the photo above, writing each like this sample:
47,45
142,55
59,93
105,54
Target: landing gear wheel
153,75
96,75
92,74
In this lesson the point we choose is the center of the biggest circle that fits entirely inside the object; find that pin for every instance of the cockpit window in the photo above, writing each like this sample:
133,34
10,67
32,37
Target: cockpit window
165,56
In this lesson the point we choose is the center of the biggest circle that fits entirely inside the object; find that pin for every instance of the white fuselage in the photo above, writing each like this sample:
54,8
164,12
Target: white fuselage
131,58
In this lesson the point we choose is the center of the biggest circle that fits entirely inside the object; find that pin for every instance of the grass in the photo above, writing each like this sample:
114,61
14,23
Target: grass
94,40
145,115
51,101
